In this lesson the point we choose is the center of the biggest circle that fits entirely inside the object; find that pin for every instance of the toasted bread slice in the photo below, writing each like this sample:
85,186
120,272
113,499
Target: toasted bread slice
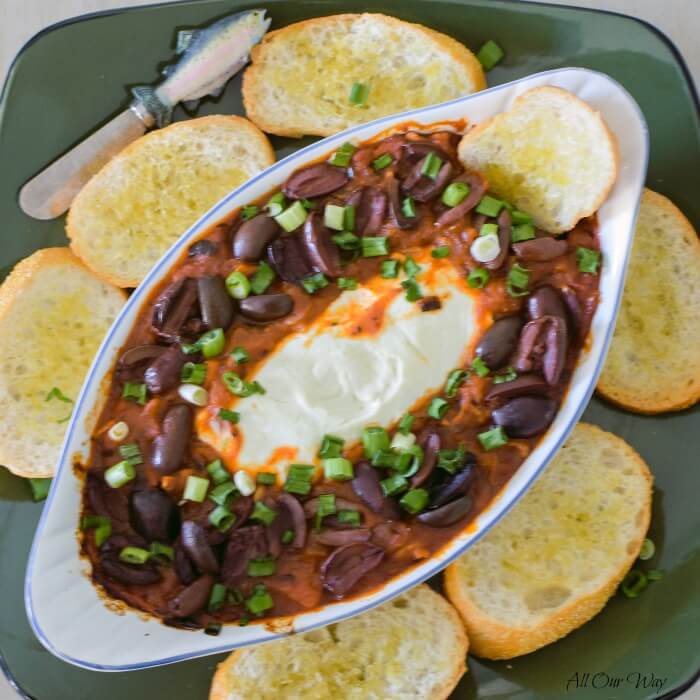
301,76
142,200
413,647
550,154
554,560
654,361
53,315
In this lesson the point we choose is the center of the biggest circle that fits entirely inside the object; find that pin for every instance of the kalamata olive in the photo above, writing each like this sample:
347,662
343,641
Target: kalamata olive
173,307
370,211
288,256
296,512
540,249
426,188
347,565
415,151
164,373
215,302
276,529
524,384
244,544
446,515
241,507
204,248
366,485
500,341
400,219
339,538
391,536
193,598
266,307
315,181
525,416
573,306
253,236
543,343
183,566
477,188
320,248
104,500
195,543
153,515
430,442
505,232
133,575
454,485
136,357
545,301
169,446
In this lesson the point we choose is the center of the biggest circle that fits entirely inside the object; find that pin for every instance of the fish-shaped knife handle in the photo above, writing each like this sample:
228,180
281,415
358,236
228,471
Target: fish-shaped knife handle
208,59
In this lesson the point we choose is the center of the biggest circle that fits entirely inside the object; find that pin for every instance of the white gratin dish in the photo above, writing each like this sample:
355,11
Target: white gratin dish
65,610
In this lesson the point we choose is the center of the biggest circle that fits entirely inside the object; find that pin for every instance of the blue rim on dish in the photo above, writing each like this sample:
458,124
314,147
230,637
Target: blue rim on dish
174,253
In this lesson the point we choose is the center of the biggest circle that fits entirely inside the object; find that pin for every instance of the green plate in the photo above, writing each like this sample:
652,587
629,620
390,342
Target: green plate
72,76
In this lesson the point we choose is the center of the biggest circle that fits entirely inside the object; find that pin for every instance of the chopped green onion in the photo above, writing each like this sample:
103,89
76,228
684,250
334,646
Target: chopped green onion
490,54
431,165
314,282
487,229
491,439
276,204
193,394
334,217
244,482
517,280
217,597
193,373
372,246
408,208
235,596
213,629
134,555
347,283
414,501
349,217
478,278
654,574
331,446
413,290
292,217
240,387
489,206
196,488
359,92
262,278
56,393
265,478
374,438
287,536
131,453
389,269
508,376
222,518
401,442
438,408
119,474
299,479
346,240
39,488
634,583
394,485
119,431
217,472
240,355
382,161
451,460
343,155
134,391
406,423
243,621
100,524
230,416
260,601
349,517
411,267
588,260
479,366
440,252
417,454
238,285
262,513
212,343
261,567
385,458
522,232
220,494
455,379
455,193
648,549
249,211
162,552
520,217
307,204
326,506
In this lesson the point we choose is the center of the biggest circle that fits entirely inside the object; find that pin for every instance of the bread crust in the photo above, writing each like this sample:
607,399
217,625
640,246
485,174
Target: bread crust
678,396
252,75
491,639
81,241
22,277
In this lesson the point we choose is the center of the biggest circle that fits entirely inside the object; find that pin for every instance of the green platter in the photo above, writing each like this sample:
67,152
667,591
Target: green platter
72,76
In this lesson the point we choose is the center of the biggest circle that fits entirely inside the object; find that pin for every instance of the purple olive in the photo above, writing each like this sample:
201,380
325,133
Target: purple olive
204,248
253,236
524,384
215,302
540,249
133,575
315,181
183,566
244,544
195,543
430,442
176,303
266,307
366,485
321,251
545,301
153,515
370,211
296,513
505,232
339,538
193,598
500,341
163,374
455,485
132,363
543,344
525,416
477,189
104,500
347,565
288,256
400,219
446,515
170,446
425,188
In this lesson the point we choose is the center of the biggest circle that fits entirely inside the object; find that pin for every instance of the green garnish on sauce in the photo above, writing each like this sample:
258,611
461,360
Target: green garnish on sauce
490,54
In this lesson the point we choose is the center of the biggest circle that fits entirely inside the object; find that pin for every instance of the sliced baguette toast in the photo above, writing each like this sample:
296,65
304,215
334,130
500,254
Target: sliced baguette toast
555,559
550,154
143,199
413,648
301,76
54,313
654,361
